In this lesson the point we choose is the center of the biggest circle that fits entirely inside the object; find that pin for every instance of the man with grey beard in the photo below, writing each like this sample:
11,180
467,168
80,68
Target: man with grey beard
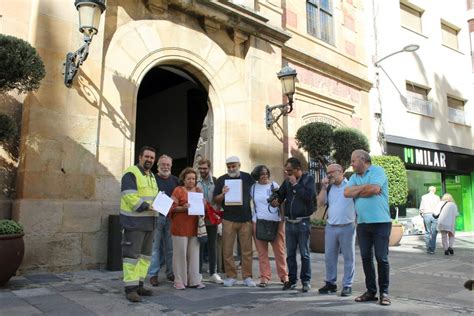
237,220
162,244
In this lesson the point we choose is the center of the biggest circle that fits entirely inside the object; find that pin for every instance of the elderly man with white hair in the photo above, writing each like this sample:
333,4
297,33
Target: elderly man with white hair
237,220
428,204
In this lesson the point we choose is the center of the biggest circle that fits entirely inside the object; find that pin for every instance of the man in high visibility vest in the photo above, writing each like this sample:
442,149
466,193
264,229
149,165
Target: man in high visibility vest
139,189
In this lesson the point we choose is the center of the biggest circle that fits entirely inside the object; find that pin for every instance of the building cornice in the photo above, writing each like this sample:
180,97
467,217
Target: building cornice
300,57
223,14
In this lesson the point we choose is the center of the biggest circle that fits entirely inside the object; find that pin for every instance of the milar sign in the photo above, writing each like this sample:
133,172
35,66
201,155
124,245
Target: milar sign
424,157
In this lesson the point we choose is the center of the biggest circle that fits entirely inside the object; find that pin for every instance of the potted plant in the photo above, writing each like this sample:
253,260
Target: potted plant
316,242
397,190
12,249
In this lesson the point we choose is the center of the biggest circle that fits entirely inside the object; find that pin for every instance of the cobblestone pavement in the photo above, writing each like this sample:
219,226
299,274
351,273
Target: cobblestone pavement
421,284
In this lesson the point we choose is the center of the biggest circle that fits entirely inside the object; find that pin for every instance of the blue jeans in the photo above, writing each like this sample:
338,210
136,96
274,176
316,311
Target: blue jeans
340,238
375,237
430,231
297,236
162,236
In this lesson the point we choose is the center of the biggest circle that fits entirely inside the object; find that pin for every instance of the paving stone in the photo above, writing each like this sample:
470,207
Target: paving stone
43,278
58,305
33,292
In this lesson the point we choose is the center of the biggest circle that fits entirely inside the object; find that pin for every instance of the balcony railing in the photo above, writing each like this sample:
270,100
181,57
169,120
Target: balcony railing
420,106
457,116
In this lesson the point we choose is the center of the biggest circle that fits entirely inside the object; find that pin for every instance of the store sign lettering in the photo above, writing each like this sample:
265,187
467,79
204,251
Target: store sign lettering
425,157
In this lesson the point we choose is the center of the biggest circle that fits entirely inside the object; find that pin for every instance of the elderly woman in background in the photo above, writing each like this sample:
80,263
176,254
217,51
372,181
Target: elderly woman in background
184,234
446,212
260,193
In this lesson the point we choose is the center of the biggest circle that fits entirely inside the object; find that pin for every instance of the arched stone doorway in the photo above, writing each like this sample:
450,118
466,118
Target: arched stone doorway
173,116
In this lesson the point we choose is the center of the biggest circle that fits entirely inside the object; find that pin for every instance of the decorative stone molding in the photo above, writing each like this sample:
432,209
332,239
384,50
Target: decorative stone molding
157,6
238,36
211,26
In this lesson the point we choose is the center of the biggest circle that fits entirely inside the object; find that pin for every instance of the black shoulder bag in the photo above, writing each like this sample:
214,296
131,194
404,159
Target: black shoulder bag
265,230
436,216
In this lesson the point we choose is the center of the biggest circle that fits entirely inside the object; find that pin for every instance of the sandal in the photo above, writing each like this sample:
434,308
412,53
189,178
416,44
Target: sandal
384,300
262,284
366,297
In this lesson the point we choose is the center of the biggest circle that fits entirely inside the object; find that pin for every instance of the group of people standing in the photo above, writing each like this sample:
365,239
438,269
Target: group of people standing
439,215
287,207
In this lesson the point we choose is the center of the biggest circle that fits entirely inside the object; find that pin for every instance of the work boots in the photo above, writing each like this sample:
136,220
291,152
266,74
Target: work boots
144,292
133,297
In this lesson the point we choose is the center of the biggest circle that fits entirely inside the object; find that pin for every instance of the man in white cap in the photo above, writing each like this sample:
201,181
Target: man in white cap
237,220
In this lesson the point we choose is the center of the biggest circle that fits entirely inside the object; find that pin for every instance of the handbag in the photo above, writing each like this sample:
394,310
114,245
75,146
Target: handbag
214,216
201,230
437,215
265,230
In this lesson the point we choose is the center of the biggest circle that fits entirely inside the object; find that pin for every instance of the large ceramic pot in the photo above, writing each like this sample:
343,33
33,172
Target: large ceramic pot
12,250
396,235
316,242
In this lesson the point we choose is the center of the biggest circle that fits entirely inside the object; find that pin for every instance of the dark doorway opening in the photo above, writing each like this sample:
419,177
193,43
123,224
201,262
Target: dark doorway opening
171,108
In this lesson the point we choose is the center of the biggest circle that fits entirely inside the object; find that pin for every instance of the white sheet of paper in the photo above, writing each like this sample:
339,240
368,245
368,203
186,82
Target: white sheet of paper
196,203
162,203
234,196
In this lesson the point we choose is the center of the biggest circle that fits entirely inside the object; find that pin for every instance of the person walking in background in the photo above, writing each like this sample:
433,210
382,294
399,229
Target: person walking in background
237,220
298,193
368,186
206,183
428,204
184,234
340,230
446,212
162,244
260,193
137,218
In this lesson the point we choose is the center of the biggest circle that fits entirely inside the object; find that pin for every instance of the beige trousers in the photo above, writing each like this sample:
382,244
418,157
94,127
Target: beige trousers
245,231
186,260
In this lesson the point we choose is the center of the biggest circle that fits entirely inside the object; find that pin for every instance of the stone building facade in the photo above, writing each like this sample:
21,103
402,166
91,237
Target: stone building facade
189,77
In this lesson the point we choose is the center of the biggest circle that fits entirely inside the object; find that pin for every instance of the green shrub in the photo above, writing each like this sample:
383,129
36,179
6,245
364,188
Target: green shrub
345,141
8,127
397,178
318,222
316,139
21,67
9,227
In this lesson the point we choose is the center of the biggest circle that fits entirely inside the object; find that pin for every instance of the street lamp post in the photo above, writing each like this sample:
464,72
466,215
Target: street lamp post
287,76
378,114
89,18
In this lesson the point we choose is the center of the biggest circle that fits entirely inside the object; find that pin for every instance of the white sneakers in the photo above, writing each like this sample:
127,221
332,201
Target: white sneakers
249,282
215,278
229,282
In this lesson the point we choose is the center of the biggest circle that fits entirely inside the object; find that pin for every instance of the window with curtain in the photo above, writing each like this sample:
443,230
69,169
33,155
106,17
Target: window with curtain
410,18
320,22
449,36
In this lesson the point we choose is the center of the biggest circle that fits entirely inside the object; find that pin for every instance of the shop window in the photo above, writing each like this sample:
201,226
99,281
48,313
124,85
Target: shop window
449,35
417,99
319,16
410,18
456,111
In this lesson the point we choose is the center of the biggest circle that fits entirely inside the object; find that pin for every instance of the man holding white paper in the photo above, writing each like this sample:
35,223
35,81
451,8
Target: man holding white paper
232,191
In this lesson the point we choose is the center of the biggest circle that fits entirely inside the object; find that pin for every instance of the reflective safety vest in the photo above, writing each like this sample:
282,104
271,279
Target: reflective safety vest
131,200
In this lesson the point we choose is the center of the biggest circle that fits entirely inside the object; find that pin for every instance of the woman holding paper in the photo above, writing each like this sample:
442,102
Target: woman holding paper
184,232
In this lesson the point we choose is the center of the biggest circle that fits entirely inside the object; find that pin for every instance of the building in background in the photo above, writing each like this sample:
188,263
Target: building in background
422,102
191,78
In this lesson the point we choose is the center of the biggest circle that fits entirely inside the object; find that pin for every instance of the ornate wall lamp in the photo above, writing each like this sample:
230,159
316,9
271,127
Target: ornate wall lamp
287,76
89,18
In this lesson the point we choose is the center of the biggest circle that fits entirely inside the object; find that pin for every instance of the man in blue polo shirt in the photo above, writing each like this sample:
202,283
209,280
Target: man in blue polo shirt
368,186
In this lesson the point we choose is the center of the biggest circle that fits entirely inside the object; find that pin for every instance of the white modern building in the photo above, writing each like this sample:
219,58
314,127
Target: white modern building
421,103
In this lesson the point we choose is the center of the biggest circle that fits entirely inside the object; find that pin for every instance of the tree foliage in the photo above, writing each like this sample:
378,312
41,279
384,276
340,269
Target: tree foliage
21,67
397,178
8,127
345,141
316,139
